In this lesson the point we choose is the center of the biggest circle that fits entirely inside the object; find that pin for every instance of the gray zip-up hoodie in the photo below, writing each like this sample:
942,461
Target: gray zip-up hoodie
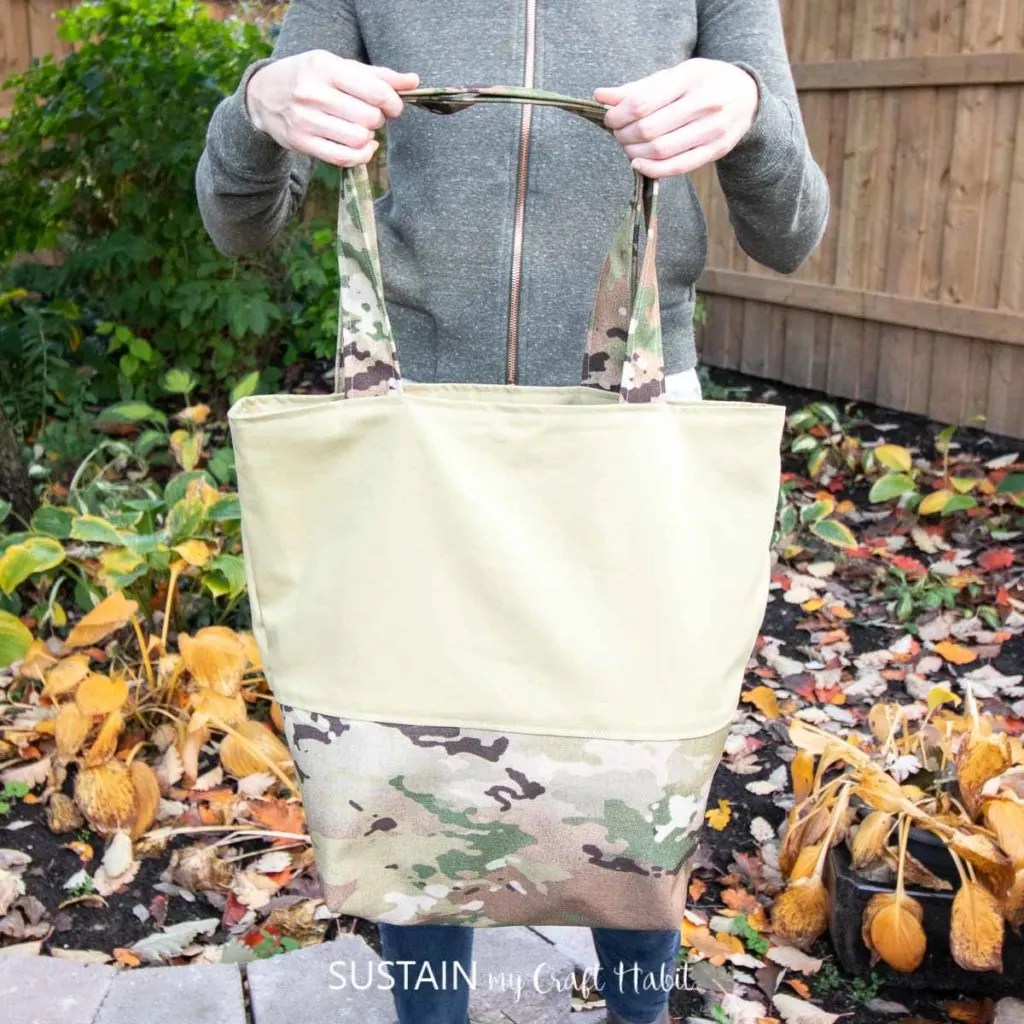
447,223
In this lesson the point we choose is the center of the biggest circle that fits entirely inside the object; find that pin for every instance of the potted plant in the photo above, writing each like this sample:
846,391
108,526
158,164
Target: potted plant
908,846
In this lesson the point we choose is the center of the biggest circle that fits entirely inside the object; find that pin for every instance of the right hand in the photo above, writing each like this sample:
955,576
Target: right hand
326,106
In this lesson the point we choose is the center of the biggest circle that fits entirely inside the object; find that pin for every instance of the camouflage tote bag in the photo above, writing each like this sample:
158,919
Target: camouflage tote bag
507,626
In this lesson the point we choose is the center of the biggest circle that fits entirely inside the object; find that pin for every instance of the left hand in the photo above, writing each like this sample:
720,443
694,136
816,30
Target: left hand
679,119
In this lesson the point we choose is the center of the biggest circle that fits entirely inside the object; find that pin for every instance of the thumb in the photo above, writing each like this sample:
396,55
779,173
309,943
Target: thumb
397,79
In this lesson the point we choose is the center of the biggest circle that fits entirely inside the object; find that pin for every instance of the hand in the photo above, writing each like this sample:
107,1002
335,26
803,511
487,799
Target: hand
324,105
679,119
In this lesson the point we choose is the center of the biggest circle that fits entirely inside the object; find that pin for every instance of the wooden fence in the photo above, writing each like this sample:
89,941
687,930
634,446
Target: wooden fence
915,299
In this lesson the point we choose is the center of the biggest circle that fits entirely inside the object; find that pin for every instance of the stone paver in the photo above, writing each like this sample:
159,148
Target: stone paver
314,986
520,976
45,990
1009,1011
575,943
199,994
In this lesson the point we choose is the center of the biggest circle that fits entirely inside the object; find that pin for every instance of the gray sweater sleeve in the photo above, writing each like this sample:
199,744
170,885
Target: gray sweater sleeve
777,195
247,186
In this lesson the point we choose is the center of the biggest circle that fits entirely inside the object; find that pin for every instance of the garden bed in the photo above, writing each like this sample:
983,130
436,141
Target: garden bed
737,867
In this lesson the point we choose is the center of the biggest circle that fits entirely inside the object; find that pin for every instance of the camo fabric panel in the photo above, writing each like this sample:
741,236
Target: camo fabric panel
623,347
365,361
421,824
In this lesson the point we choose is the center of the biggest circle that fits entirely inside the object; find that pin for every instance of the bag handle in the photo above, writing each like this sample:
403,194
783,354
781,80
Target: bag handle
624,343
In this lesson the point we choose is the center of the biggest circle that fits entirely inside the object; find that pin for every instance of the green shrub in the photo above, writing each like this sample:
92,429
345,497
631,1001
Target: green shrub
97,161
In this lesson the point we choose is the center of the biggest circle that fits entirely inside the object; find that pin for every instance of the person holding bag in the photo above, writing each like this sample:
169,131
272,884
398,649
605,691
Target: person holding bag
536,657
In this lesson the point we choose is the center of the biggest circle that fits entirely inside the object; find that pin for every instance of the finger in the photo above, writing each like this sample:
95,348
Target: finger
323,125
398,80
644,97
348,108
675,115
702,132
340,156
684,163
358,80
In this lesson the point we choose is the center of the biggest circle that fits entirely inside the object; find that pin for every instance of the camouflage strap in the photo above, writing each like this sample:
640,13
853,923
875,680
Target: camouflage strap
624,346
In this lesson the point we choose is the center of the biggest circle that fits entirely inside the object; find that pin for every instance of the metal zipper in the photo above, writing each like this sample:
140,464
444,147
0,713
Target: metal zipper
511,367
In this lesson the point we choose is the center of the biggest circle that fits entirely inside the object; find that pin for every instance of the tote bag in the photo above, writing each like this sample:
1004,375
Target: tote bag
506,626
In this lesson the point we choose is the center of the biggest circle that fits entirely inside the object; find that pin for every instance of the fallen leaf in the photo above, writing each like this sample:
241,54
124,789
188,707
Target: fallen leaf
794,959
720,816
798,1011
172,940
764,699
108,616
955,653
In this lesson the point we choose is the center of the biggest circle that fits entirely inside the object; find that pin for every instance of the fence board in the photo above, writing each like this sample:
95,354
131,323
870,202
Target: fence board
915,109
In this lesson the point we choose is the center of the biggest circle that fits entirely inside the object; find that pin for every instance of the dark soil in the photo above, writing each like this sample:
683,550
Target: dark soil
105,927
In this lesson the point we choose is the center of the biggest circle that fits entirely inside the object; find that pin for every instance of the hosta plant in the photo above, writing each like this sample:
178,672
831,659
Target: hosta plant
925,767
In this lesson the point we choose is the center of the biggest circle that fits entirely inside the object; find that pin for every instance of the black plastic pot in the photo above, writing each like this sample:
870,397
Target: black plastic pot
925,847
939,972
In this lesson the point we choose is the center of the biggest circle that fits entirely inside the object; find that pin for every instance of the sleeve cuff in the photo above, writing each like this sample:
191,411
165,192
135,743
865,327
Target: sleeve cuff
240,144
769,140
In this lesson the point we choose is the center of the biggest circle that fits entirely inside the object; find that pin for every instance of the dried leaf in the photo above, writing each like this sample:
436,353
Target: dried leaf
199,868
806,862
955,653
70,730
896,932
764,699
797,1011
172,940
976,932
66,675
720,816
146,790
869,840
1006,819
215,657
794,959
62,815
105,745
801,770
978,759
107,617
99,695
105,796
1013,904
800,913
237,752
716,947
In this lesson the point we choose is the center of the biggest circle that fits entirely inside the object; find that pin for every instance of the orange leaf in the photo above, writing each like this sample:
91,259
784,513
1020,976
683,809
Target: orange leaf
802,772
955,653
764,699
715,947
800,987
720,817
126,957
697,889
997,558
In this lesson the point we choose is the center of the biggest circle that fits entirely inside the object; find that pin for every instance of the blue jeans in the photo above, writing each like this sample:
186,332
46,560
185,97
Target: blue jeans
625,959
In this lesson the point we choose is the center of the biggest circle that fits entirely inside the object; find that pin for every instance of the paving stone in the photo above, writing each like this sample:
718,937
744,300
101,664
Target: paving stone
1009,1011
45,990
315,986
198,994
575,943
520,976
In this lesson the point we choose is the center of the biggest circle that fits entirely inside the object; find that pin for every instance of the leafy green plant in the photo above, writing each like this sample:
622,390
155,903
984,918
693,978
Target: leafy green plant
11,792
755,942
822,433
97,163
